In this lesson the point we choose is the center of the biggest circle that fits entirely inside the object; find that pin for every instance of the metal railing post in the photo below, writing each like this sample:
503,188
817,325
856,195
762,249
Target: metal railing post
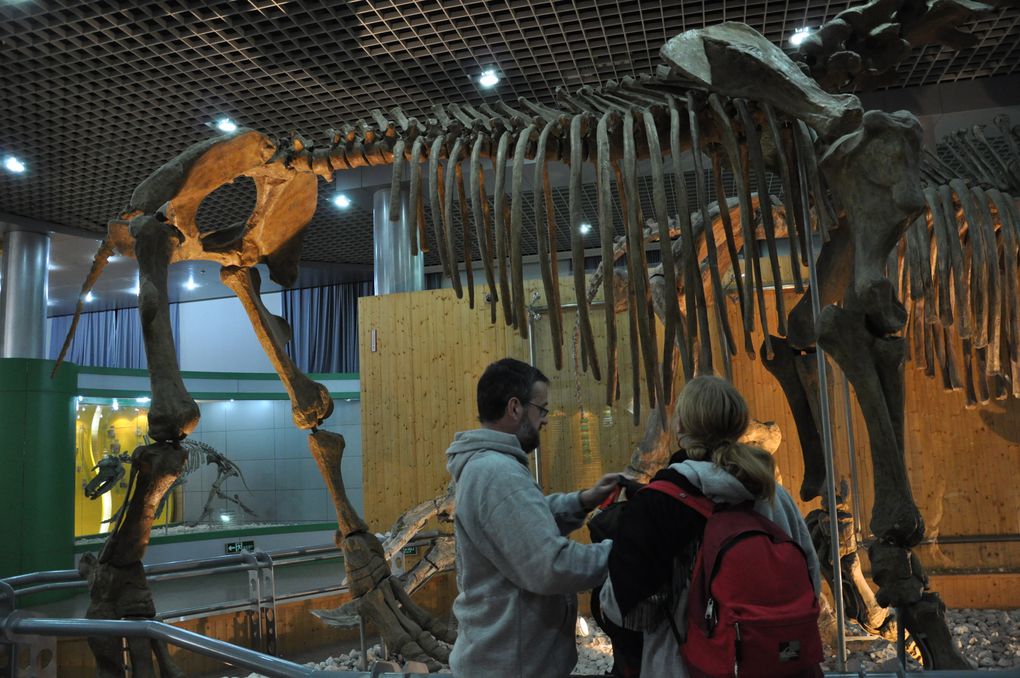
267,604
254,601
823,406
8,648
363,661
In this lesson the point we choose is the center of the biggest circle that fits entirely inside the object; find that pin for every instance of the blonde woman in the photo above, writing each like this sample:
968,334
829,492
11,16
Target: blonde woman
653,553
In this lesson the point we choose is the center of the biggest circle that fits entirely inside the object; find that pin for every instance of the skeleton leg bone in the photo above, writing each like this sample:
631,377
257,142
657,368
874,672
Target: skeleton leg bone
310,401
378,596
783,366
173,413
874,367
117,584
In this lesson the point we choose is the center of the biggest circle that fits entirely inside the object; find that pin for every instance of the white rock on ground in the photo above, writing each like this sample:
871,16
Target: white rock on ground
989,639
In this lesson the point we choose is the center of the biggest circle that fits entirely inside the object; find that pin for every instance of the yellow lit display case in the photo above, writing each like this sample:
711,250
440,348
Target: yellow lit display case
110,429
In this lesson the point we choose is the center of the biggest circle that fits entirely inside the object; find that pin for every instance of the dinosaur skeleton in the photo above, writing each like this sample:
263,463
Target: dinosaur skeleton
941,233
111,470
724,90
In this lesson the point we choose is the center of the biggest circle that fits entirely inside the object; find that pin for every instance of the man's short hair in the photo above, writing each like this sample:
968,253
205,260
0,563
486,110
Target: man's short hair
501,381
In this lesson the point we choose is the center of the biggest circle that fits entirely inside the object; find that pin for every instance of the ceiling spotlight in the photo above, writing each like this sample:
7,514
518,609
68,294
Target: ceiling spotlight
14,165
226,125
191,284
584,228
342,201
799,35
89,298
488,79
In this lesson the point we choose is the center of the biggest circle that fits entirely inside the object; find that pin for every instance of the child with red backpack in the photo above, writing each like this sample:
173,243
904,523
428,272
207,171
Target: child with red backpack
712,561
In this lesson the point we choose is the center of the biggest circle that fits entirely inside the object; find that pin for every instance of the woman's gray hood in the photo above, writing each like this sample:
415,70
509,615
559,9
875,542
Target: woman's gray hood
714,482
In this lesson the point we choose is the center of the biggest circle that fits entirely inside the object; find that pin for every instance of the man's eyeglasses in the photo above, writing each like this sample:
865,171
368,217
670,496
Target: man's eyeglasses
542,411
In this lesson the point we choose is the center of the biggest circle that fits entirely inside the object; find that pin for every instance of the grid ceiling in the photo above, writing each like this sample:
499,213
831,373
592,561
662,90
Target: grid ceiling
96,95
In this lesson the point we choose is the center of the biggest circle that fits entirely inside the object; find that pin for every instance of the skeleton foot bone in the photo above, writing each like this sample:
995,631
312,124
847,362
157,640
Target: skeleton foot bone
377,595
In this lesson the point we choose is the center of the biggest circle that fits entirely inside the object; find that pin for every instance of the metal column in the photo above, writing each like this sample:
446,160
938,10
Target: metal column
24,294
395,269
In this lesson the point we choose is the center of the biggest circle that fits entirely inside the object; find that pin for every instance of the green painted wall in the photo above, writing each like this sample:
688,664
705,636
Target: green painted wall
36,466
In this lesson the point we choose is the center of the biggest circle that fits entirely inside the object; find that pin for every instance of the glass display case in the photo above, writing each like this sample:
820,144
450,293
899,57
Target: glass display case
248,465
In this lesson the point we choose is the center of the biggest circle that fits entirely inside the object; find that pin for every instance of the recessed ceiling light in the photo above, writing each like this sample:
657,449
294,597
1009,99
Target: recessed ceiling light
191,284
226,125
488,79
89,298
584,228
14,165
342,201
799,35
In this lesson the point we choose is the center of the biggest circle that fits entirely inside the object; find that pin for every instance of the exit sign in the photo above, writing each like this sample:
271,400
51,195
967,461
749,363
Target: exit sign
238,546
410,550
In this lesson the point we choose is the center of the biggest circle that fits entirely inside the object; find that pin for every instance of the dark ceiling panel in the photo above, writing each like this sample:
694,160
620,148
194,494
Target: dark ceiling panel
96,95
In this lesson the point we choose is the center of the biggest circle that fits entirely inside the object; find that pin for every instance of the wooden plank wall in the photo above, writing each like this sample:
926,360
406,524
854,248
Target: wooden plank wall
418,390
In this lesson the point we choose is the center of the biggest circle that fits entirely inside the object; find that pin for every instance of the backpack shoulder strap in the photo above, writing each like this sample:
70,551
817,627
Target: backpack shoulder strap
688,495
685,495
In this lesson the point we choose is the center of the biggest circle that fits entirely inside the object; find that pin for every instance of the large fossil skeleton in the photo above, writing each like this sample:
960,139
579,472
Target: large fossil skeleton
724,90
925,259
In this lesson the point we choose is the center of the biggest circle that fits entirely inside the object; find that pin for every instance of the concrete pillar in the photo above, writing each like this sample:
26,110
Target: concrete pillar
395,269
24,294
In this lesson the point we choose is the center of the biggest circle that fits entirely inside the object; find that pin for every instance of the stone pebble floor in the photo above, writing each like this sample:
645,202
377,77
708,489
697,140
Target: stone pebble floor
989,639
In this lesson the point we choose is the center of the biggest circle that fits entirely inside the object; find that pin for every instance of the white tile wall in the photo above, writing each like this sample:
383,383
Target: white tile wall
284,483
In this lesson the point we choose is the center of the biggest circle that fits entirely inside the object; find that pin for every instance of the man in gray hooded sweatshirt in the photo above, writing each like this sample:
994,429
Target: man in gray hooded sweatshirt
517,573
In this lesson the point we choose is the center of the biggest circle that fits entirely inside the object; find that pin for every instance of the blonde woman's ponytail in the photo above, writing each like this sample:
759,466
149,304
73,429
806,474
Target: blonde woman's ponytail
712,415
752,466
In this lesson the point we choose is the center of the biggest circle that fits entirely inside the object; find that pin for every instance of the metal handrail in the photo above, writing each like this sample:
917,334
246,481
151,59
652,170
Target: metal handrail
273,667
261,604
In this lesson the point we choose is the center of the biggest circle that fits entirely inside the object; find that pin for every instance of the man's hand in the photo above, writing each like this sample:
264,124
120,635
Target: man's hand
594,495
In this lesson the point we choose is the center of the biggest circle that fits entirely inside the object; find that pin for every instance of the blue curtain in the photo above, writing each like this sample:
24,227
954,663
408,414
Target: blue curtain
108,338
324,322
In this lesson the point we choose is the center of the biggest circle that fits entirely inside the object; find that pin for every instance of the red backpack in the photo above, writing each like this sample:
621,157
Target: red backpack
752,609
